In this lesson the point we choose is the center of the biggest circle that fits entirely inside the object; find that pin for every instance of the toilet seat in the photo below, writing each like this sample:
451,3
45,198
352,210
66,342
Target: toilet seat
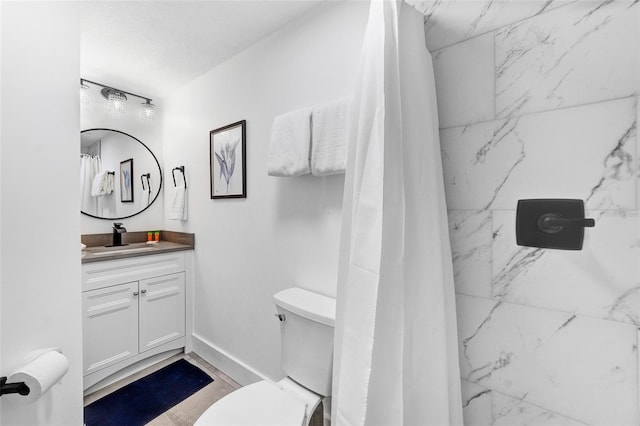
262,403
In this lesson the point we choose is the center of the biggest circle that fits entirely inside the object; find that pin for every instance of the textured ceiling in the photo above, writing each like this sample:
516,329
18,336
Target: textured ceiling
153,47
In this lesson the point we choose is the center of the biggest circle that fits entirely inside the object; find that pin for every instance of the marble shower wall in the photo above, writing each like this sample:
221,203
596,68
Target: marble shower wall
539,99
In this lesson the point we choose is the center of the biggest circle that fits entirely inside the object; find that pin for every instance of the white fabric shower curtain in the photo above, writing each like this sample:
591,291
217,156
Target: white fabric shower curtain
90,166
396,357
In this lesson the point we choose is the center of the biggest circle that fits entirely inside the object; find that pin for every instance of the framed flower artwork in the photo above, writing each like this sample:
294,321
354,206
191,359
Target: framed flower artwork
228,161
126,182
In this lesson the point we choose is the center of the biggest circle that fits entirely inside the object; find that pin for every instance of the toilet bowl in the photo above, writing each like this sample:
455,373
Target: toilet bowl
262,403
306,328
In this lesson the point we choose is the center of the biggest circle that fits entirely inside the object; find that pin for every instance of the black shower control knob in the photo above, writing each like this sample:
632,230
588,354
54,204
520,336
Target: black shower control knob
552,223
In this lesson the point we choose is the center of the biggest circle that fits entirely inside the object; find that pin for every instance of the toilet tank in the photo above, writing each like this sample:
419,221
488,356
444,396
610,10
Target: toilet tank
306,331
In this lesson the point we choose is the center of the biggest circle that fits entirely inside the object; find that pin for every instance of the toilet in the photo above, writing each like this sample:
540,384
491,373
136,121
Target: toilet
306,330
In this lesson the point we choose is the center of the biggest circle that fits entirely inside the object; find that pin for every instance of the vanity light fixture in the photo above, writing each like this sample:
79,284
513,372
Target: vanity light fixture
117,99
84,93
149,110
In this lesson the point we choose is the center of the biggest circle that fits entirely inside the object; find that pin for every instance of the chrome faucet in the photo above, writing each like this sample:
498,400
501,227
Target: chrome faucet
118,230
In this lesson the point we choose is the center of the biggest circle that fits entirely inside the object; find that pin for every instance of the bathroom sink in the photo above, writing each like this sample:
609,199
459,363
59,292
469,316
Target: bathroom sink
104,251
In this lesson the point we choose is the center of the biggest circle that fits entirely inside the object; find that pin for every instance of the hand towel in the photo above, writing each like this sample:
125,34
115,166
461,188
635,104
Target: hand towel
290,144
178,208
103,184
110,182
329,138
96,187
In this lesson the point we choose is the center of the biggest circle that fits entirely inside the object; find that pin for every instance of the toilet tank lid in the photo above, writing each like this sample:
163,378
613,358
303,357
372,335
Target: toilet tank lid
307,304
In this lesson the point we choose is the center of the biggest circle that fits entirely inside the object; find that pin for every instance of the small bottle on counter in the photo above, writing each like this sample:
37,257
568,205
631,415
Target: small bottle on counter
157,236
149,236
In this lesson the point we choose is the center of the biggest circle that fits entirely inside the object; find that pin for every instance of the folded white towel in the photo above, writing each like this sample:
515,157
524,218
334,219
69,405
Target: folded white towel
329,138
178,208
103,183
290,144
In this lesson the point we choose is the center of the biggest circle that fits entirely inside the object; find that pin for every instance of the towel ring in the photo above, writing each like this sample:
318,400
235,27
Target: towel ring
148,176
180,168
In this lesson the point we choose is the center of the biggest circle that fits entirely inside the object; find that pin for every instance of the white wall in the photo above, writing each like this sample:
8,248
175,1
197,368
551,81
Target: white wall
39,256
93,114
1,368
286,232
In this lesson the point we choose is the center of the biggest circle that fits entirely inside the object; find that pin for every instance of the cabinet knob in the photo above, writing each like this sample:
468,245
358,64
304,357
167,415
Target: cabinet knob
135,293
143,291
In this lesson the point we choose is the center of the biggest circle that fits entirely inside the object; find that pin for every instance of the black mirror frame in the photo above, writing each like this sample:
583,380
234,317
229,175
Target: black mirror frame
159,168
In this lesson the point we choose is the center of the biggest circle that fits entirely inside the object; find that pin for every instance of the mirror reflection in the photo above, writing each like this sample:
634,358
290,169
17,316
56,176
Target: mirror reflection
119,175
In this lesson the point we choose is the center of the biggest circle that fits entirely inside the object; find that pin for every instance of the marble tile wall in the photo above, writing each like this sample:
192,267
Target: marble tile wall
539,99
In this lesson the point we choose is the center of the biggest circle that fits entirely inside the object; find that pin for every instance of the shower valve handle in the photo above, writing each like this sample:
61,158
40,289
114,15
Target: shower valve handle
551,223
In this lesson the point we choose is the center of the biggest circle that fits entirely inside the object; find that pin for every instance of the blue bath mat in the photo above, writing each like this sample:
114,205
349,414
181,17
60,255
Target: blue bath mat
145,399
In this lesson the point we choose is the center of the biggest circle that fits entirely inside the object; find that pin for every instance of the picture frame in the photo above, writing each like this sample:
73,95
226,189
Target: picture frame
126,181
228,160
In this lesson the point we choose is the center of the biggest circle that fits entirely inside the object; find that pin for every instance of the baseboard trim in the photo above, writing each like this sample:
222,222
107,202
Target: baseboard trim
225,362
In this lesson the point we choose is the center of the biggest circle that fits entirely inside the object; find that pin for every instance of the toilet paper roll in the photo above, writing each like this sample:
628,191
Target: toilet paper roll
40,374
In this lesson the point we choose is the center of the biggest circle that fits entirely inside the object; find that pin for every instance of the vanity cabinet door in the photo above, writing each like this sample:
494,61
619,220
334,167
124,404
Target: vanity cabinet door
110,316
162,310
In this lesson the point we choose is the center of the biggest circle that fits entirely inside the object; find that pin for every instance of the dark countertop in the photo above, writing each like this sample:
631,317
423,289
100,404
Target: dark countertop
97,251
100,254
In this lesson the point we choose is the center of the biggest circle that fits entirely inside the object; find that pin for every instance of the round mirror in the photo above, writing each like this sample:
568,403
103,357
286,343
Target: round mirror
119,175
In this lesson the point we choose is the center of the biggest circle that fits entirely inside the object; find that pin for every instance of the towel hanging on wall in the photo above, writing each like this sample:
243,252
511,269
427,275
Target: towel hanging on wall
178,199
329,138
146,189
290,144
103,183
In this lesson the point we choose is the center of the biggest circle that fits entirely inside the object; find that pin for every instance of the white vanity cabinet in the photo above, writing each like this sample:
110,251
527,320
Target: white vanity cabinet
160,310
109,326
133,308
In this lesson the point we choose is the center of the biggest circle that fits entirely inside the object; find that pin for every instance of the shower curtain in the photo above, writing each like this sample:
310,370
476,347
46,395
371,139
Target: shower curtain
396,357
90,166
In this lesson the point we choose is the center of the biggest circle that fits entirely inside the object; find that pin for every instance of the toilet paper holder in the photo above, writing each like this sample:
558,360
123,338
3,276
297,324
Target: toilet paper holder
18,387
43,368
